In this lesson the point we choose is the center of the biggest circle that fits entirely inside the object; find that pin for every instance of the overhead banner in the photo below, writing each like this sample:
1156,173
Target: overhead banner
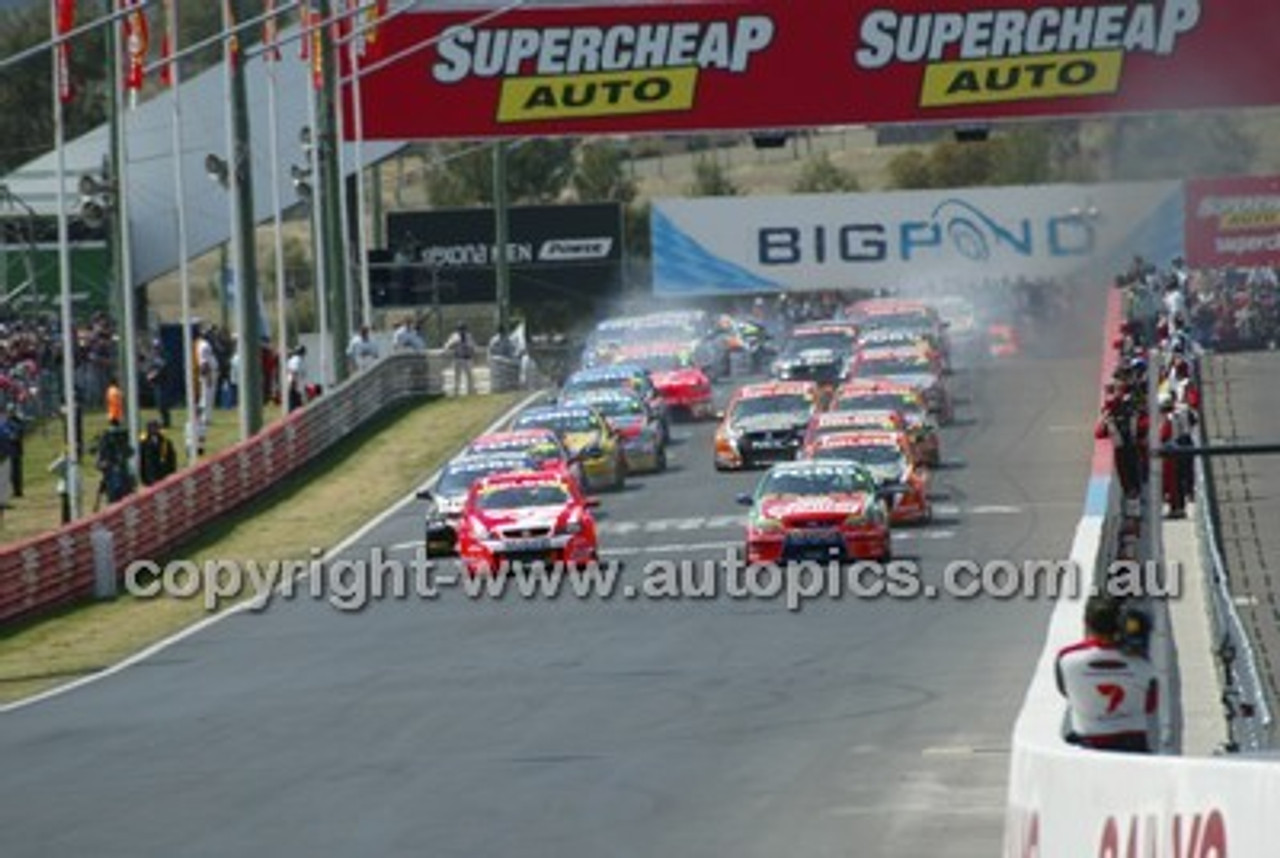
555,252
760,64
1233,222
728,245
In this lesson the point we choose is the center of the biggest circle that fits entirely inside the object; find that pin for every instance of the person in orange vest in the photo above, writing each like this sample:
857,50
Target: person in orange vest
115,402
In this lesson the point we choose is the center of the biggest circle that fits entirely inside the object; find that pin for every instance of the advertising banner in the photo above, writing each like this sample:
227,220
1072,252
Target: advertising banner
727,245
569,251
1233,222
627,67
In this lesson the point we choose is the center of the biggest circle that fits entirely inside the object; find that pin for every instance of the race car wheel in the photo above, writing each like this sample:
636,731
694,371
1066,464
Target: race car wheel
662,460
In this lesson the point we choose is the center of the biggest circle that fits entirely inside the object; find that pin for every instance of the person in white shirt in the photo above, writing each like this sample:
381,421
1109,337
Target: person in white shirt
296,368
406,338
463,348
206,376
363,351
1111,693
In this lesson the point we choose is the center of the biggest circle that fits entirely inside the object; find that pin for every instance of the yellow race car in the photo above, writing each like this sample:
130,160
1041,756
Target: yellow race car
588,437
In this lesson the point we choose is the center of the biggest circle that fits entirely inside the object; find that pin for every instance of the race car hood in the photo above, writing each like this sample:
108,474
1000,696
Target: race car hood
808,357
923,380
576,442
793,509
628,426
527,518
679,378
771,422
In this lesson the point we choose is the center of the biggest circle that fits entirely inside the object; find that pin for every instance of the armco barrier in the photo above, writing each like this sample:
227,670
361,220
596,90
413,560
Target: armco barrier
57,568
1068,802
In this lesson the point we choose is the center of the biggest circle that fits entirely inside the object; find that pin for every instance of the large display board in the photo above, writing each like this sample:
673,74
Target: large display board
1233,221
757,64
728,245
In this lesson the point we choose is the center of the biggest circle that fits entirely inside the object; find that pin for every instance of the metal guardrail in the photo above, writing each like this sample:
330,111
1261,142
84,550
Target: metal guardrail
1249,717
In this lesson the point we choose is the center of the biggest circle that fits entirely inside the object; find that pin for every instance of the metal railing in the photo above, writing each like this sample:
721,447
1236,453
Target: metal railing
1244,699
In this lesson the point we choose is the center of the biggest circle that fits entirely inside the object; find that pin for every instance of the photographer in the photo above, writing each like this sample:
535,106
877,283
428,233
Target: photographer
113,452
1110,686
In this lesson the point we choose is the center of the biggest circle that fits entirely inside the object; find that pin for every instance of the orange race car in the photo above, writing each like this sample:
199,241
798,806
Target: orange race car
764,423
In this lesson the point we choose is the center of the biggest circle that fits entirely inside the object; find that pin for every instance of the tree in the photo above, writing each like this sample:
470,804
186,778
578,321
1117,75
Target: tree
537,172
909,170
710,180
600,175
821,175
26,99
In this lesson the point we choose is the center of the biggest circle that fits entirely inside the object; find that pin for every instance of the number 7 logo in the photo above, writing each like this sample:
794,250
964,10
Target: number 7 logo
1114,694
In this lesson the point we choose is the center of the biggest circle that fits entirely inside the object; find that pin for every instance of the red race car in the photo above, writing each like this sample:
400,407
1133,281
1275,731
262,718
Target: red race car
525,518
841,422
890,459
541,445
817,511
684,386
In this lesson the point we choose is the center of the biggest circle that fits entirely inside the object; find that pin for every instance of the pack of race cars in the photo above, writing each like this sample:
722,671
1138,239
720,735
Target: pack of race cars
847,425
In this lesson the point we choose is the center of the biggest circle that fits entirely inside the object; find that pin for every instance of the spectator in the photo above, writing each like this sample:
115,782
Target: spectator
14,429
463,348
206,367
362,352
115,402
61,468
1111,693
157,375
296,367
407,337
157,458
113,452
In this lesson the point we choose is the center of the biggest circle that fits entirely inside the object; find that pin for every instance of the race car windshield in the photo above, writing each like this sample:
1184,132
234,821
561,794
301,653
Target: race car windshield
619,407
521,497
863,454
559,421
908,320
759,406
457,479
539,451
893,366
661,362
817,481
836,342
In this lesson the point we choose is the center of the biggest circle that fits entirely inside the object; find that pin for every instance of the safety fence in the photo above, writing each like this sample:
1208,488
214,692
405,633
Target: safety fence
57,568
1064,800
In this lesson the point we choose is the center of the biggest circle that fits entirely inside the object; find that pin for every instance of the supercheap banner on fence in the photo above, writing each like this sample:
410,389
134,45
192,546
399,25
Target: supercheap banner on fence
760,64
1233,221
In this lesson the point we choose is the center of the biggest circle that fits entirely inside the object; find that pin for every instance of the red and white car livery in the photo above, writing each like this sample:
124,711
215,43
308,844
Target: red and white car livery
526,518
908,365
861,394
684,386
890,459
840,422
813,510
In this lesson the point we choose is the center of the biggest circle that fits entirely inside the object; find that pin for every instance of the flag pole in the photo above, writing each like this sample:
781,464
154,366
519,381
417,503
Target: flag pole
124,233
319,252
61,91
344,210
272,58
184,272
358,47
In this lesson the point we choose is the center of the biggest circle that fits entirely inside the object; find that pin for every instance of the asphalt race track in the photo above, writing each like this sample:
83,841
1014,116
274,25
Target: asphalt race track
710,728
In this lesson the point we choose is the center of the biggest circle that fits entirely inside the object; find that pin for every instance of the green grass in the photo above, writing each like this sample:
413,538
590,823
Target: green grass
316,508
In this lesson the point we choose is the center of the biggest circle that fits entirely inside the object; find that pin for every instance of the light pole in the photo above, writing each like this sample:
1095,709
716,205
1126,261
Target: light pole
502,266
328,195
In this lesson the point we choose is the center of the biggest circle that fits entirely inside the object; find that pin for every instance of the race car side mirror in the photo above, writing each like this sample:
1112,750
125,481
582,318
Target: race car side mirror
719,415
744,499
425,495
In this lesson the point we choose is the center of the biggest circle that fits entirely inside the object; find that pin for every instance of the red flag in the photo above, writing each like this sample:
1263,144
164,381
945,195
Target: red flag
375,14
271,33
64,12
166,45
137,42
233,37
304,50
